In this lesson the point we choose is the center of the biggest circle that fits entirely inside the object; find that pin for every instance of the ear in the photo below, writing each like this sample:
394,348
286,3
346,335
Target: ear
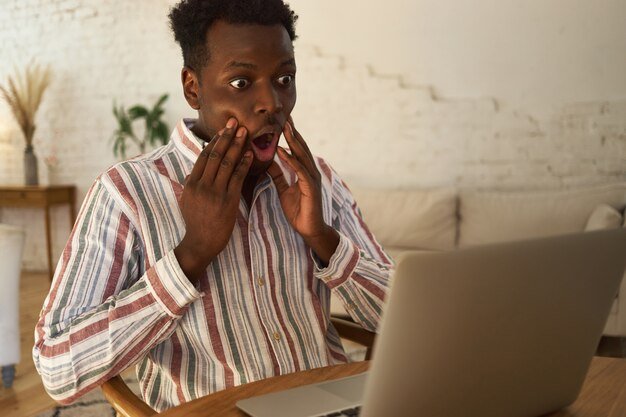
191,87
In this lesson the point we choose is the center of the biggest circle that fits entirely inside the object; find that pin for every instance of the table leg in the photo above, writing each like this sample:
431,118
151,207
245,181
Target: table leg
72,207
49,243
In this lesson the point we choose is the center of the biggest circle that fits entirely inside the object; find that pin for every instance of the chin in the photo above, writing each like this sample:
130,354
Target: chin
258,168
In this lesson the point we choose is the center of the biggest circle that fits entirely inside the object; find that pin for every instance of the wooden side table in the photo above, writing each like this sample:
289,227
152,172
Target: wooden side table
41,197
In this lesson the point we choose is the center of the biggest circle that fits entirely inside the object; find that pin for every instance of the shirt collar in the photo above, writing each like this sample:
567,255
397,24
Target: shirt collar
185,140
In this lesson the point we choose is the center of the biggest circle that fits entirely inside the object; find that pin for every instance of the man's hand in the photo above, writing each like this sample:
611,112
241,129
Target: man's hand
302,201
210,199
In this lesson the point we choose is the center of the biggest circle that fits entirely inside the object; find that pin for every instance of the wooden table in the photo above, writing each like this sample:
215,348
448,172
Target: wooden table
41,197
602,395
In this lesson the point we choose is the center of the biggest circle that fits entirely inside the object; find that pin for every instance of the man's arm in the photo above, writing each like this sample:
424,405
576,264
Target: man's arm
90,327
347,256
359,270
102,313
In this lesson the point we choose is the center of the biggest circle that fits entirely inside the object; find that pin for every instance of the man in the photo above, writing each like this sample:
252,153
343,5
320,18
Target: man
227,279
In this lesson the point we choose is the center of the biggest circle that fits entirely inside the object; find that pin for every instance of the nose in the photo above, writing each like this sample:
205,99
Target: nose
268,100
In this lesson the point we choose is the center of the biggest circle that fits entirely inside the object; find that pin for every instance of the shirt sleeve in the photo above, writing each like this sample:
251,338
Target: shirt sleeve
105,310
358,272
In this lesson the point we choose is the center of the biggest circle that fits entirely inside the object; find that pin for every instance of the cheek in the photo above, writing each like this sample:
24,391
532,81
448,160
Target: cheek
217,112
289,101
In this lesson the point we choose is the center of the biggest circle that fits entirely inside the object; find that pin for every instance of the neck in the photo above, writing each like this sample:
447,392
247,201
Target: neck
247,191
251,181
200,131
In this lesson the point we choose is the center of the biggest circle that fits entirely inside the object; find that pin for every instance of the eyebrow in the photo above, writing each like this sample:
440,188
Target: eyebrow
290,61
247,65
237,64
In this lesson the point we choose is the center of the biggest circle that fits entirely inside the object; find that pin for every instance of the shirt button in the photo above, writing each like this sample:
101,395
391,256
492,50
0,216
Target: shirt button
350,307
276,336
261,281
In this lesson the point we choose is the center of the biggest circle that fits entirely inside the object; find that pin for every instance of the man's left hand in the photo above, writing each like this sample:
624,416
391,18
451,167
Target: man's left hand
302,201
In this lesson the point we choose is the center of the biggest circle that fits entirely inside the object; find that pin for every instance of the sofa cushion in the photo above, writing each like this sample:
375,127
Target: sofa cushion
489,217
394,252
603,217
412,219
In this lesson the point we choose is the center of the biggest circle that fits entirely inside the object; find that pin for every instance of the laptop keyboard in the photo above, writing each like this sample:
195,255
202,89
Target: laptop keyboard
347,412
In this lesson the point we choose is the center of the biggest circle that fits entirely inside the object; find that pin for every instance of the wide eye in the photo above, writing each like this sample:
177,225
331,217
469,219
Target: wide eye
239,83
285,80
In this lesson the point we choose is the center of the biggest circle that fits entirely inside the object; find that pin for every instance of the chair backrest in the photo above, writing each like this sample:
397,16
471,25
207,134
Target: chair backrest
124,401
352,331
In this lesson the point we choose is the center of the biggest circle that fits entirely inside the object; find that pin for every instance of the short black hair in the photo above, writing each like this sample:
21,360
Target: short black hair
191,19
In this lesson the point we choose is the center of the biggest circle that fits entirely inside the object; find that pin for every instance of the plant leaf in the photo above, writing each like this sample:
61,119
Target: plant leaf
137,112
160,101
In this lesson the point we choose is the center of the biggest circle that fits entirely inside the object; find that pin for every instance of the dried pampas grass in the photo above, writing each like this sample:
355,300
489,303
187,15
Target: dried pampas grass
24,94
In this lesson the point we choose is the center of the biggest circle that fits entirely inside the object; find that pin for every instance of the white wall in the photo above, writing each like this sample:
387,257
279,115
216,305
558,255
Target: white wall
467,105
528,54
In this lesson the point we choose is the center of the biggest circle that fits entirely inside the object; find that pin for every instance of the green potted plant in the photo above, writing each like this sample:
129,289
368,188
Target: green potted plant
156,130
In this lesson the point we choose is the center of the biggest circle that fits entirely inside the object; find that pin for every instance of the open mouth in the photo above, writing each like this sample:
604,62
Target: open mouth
264,145
264,141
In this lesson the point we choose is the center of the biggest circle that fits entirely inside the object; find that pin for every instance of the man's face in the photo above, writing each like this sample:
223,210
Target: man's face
250,76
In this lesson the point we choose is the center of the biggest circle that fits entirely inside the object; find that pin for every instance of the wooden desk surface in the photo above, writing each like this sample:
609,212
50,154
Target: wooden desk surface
222,403
602,395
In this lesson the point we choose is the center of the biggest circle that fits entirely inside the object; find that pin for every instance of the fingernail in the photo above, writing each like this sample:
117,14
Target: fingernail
241,131
231,123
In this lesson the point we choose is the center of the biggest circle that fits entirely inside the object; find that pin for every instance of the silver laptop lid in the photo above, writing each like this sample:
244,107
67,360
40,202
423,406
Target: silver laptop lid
502,330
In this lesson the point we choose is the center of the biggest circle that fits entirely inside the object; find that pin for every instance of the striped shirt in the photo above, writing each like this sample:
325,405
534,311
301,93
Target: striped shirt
119,297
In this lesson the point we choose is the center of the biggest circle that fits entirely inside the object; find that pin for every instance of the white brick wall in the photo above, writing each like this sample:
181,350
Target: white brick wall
383,132
375,130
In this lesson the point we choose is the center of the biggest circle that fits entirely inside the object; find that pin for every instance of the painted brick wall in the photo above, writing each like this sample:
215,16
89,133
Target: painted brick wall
383,132
375,130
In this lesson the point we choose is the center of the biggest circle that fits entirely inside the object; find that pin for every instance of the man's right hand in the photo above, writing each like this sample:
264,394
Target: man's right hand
210,199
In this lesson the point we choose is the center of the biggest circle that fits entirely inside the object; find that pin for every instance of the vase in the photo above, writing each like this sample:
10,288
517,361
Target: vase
31,176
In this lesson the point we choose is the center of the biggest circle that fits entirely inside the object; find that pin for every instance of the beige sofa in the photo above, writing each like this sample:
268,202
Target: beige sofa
447,219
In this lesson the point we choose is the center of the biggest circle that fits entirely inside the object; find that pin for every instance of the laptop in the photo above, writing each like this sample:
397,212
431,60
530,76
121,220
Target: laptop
503,330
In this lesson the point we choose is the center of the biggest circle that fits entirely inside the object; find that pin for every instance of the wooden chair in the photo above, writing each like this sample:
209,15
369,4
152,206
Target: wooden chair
127,404
350,330
124,401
